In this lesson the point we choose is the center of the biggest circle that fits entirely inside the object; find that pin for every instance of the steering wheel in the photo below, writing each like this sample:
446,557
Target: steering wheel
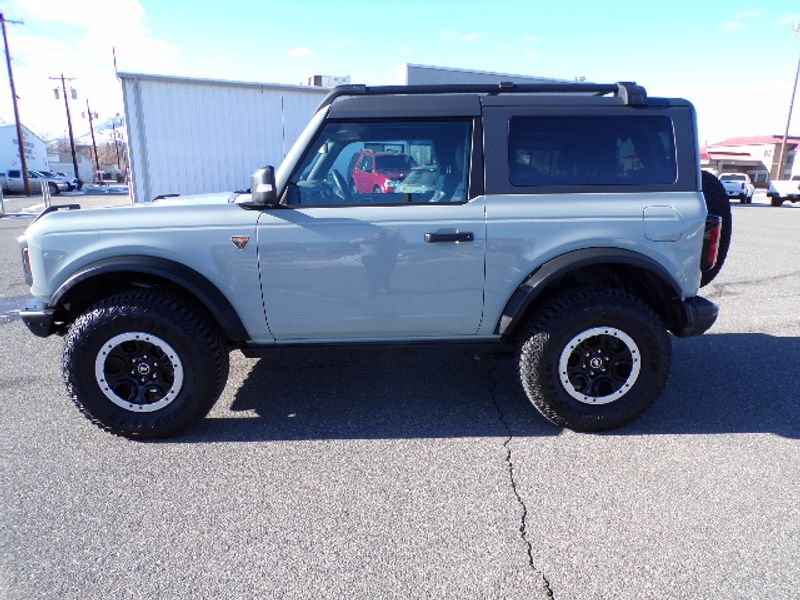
340,184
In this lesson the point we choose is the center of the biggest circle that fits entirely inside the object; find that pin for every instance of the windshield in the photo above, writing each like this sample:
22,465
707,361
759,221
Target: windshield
732,177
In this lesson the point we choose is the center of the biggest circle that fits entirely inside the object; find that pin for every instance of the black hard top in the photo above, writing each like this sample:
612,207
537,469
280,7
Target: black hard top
360,101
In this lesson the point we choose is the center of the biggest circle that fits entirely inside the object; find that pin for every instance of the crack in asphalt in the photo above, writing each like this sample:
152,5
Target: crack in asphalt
523,527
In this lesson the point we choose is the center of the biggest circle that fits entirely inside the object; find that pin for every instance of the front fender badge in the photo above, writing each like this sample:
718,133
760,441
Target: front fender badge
240,241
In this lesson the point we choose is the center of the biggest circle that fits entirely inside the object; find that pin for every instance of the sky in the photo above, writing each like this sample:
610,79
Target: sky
734,59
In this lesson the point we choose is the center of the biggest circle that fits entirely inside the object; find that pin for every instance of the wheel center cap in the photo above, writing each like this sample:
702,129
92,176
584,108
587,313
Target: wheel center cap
596,363
143,369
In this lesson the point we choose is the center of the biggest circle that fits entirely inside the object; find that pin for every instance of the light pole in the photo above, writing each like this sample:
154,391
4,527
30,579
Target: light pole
779,173
69,122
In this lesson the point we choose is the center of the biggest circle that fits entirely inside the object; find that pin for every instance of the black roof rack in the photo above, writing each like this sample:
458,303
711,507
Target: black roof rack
631,93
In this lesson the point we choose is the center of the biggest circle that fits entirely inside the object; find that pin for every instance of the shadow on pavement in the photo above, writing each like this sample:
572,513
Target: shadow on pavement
727,383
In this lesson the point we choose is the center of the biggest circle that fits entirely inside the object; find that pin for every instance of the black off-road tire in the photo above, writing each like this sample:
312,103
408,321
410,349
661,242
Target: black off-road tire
551,334
158,319
717,203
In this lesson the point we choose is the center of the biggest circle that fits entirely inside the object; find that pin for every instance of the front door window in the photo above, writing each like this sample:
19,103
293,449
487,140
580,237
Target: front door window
384,163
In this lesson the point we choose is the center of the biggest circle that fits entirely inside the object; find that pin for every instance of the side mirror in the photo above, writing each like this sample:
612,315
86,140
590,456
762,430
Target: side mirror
262,187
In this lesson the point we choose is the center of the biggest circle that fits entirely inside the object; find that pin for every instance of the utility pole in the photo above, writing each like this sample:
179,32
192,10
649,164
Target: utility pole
20,140
116,147
779,173
69,123
94,143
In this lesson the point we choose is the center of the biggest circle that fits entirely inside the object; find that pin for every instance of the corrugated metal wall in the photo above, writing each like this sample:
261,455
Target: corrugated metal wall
190,136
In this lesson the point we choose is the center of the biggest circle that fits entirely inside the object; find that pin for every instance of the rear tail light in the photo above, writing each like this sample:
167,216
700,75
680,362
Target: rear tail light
711,239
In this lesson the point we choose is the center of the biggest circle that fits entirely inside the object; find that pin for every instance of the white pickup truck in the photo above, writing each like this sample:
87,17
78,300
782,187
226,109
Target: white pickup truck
738,185
13,182
781,190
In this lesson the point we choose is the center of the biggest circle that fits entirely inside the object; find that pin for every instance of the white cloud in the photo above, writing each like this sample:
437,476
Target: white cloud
790,19
732,26
299,52
340,43
87,58
84,13
469,37
753,13
399,75
528,39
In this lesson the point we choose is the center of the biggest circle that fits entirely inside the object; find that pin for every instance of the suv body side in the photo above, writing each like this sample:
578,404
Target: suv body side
516,232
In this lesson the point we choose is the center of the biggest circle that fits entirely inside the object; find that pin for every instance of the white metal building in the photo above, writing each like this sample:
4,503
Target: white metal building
190,136
35,148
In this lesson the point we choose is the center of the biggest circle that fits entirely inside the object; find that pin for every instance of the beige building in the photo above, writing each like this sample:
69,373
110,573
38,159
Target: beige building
755,155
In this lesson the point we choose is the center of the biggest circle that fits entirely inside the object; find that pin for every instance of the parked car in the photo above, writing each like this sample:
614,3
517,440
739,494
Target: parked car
70,181
421,180
539,237
380,172
783,190
738,185
12,181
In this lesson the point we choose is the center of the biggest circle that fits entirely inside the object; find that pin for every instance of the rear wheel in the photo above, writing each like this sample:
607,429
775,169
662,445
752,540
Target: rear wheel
144,364
594,359
53,189
377,190
776,201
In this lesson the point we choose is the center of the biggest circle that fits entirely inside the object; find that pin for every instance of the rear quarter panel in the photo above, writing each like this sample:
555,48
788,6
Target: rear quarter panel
523,232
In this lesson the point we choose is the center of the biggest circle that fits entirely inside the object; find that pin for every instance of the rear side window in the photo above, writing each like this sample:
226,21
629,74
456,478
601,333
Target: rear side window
631,150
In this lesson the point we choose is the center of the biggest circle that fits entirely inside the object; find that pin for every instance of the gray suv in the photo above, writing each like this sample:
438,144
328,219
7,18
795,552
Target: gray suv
565,222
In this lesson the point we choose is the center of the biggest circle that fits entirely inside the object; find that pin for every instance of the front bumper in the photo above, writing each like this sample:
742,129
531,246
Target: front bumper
696,316
38,317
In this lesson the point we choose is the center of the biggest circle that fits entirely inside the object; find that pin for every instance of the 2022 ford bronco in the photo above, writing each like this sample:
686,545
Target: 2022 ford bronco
567,221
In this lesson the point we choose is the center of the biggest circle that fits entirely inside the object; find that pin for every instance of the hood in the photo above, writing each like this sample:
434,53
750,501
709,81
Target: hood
213,198
200,210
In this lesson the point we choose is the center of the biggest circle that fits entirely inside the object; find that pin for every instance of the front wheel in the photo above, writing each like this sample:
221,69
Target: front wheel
776,201
53,189
594,359
144,364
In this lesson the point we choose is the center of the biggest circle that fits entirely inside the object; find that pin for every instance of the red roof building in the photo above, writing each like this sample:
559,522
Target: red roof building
756,155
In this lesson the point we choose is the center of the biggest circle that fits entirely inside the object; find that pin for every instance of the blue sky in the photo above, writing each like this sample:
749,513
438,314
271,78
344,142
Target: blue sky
734,59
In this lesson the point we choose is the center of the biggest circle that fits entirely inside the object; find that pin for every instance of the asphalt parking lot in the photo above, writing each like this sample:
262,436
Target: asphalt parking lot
422,476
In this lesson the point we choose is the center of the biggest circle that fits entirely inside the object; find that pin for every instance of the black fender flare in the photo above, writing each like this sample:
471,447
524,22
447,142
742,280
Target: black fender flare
181,275
559,266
